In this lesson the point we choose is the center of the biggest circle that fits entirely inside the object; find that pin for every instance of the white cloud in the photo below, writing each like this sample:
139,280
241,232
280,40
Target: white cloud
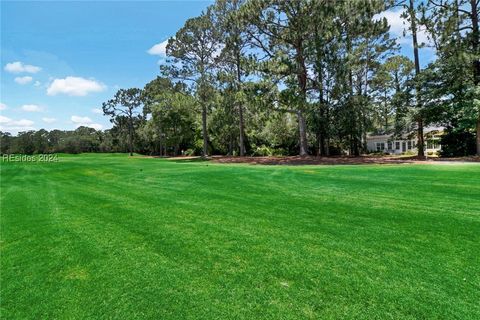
78,119
394,19
14,126
3,106
37,84
49,120
97,111
19,67
4,119
160,49
23,80
23,123
423,38
31,108
74,86
399,26
85,122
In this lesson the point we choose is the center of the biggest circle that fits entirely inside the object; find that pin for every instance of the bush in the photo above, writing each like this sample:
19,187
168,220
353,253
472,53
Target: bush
262,151
457,143
198,145
70,145
335,151
279,152
189,152
410,153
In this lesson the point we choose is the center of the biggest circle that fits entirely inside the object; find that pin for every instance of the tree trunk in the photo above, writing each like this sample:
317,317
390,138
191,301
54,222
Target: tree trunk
319,145
322,134
230,146
413,18
476,62
386,112
478,134
356,149
302,82
365,144
421,139
321,131
475,42
160,140
302,128
353,125
242,134
204,131
322,145
327,132
130,137
241,123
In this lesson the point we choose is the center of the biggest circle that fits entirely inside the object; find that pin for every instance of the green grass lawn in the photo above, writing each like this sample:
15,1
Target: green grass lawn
113,237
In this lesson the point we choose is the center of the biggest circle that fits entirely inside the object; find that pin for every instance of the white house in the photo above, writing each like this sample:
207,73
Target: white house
397,145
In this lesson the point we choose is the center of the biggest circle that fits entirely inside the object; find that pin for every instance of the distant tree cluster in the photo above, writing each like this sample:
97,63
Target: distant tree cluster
82,139
275,77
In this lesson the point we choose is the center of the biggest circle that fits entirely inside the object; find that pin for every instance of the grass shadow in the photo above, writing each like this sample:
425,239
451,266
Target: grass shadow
189,160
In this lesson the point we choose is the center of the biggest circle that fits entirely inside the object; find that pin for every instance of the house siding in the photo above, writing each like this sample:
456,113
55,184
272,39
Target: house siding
387,144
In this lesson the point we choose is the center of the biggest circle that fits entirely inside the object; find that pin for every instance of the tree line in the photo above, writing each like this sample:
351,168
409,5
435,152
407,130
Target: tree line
276,77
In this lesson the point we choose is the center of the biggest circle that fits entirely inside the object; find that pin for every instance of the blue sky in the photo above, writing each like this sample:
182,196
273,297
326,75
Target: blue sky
61,60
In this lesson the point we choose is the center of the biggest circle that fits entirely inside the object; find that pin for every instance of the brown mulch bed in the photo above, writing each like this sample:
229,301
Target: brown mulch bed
297,160
459,159
313,160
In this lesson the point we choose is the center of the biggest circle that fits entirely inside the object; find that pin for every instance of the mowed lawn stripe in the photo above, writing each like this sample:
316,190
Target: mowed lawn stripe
111,236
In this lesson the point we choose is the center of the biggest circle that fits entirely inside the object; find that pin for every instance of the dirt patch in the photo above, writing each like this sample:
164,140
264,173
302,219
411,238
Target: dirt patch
312,160
297,160
458,159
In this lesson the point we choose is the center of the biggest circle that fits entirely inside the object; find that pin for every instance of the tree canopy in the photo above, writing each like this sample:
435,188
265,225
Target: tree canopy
298,77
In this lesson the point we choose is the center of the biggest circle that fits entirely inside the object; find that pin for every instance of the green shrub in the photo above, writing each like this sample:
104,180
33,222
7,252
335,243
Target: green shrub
262,151
189,152
457,143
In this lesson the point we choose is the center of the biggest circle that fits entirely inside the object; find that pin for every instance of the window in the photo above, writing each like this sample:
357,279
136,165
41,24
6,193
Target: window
409,144
389,145
404,146
380,146
397,145
433,144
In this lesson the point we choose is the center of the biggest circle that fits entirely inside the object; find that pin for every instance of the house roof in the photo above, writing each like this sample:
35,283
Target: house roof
386,136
